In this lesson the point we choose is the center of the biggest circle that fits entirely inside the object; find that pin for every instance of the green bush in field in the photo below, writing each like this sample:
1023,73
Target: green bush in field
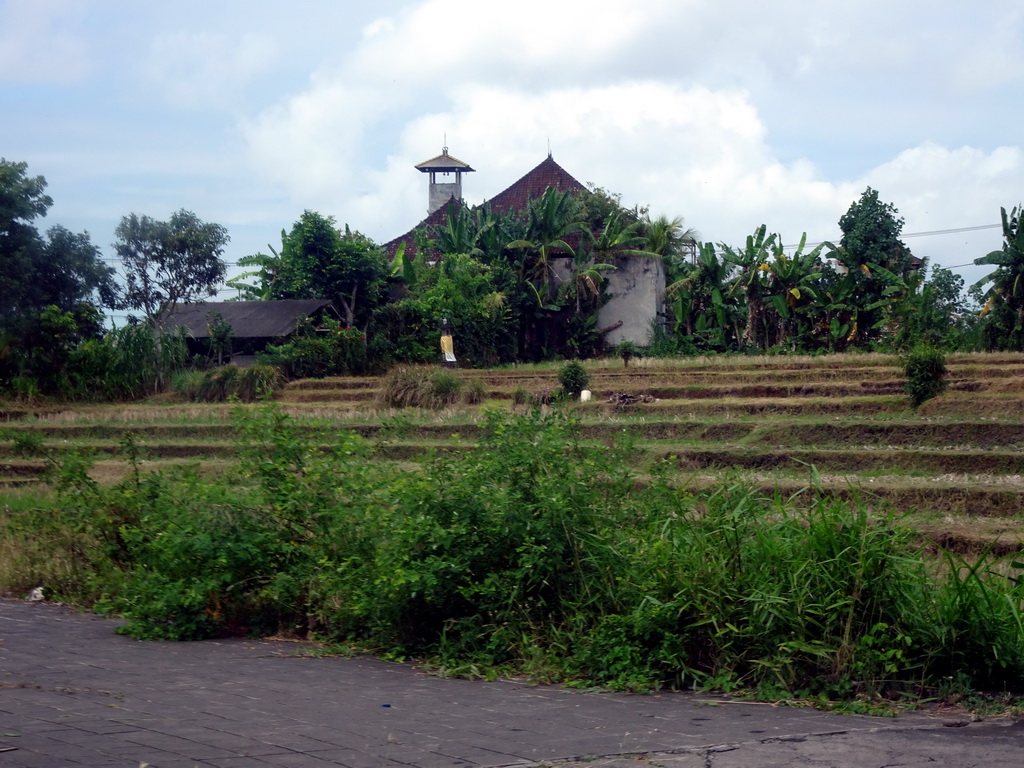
219,385
627,350
474,392
520,395
574,378
329,349
420,386
538,552
925,369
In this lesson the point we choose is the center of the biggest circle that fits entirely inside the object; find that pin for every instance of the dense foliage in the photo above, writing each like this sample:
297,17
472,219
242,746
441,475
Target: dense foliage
52,337
327,349
925,369
319,261
53,286
519,286
1004,305
535,553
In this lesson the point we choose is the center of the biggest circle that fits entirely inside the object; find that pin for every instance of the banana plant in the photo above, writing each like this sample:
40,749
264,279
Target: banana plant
267,275
751,267
793,293
702,290
1004,306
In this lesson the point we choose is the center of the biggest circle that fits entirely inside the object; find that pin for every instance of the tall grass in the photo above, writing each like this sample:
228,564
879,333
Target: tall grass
418,386
535,552
227,382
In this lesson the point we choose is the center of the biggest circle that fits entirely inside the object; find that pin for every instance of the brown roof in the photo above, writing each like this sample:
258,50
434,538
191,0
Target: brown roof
248,319
515,198
438,218
533,184
444,162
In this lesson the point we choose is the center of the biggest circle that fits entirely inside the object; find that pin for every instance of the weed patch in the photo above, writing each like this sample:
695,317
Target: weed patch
538,552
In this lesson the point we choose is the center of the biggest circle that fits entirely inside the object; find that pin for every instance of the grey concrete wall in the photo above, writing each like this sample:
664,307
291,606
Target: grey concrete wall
636,291
439,194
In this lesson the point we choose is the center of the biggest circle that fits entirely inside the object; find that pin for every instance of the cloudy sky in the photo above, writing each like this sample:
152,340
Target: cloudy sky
730,113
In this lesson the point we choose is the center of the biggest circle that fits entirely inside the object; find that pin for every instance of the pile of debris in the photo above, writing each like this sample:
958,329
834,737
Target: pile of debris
622,399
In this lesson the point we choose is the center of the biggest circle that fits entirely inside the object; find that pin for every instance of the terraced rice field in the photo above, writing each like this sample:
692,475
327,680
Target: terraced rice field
956,466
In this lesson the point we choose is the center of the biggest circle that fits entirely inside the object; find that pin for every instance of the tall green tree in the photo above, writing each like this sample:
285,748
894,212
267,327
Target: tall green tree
871,239
267,272
705,309
461,232
47,282
670,238
319,261
169,262
61,268
794,295
750,265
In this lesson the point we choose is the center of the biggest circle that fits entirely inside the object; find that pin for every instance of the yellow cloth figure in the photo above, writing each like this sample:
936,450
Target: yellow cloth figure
447,348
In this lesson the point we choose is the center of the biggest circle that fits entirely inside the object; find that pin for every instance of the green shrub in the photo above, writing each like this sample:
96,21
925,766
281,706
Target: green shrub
402,386
475,392
187,384
329,349
408,386
258,381
627,350
443,388
520,395
537,551
574,378
925,369
219,385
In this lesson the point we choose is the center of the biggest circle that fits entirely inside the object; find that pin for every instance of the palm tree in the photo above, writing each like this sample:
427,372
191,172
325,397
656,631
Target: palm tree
669,238
461,232
584,286
552,218
267,274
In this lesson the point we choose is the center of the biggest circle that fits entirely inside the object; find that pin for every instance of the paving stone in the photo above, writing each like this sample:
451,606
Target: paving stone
95,698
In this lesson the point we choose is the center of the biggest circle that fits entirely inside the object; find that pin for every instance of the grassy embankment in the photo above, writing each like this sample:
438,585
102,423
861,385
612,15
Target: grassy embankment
796,466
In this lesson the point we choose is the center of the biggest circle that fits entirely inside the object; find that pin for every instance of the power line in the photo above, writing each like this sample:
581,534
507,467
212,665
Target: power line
952,231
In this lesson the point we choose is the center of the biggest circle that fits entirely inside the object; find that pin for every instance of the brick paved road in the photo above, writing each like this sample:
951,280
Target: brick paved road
72,693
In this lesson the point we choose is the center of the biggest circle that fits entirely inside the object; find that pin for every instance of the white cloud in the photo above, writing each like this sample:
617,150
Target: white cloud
36,45
204,70
730,114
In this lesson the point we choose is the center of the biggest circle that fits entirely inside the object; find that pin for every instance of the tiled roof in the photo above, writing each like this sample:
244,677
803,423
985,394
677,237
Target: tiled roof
444,162
248,319
516,197
533,184
437,219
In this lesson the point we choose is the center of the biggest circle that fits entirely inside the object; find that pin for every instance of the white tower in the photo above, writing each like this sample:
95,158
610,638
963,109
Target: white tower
440,192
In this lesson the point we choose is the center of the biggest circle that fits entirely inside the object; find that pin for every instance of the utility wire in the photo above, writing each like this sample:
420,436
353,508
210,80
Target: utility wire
920,234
